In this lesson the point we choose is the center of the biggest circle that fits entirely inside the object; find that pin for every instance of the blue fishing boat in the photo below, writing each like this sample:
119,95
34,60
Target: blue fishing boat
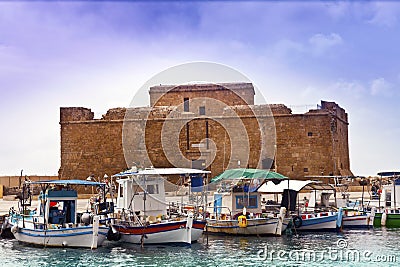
55,222
316,214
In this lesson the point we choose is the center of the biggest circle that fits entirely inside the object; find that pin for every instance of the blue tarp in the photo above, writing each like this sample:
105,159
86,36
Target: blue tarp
196,183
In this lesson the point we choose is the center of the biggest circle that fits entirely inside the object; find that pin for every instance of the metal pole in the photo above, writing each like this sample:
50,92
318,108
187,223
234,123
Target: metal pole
379,190
362,196
144,211
23,206
394,192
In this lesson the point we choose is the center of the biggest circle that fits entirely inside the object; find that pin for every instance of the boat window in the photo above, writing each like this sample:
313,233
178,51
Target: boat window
248,202
152,189
121,191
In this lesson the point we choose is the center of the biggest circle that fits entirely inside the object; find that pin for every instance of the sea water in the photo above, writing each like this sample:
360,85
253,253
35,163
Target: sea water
377,247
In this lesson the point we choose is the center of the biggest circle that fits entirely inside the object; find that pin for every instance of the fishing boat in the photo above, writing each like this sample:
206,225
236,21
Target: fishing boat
313,215
358,218
144,216
237,204
388,206
55,222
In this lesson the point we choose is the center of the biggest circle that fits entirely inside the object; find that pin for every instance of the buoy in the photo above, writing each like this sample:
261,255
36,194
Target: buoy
384,218
95,229
242,221
279,226
371,217
339,218
14,229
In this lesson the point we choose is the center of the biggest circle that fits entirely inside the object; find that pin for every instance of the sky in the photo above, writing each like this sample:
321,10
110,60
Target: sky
98,54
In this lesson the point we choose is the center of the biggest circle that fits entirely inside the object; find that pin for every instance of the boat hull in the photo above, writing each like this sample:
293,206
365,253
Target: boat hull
198,229
65,237
323,223
261,226
175,232
357,221
392,220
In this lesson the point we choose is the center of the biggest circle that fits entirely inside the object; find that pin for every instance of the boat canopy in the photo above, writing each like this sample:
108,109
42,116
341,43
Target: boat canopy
296,185
388,173
161,171
67,182
237,174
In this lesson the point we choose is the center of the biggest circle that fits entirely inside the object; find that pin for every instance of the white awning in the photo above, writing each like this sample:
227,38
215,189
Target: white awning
296,185
171,171
162,171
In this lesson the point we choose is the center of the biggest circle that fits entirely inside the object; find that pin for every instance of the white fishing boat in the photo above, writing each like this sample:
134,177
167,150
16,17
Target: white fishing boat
388,203
144,216
55,221
237,205
316,214
353,218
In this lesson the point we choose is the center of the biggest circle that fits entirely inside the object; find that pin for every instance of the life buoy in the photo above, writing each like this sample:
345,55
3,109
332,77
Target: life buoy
297,221
242,221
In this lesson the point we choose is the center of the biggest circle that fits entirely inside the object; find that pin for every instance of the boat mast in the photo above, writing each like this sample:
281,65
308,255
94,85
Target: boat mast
379,190
394,191
144,198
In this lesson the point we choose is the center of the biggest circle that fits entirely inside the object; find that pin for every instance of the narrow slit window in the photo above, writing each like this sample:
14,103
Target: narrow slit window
186,104
202,110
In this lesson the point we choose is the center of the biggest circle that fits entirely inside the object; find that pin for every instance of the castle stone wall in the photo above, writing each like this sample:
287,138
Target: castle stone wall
314,143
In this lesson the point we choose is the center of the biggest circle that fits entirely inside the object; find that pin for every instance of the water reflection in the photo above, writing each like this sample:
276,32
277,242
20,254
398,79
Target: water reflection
220,251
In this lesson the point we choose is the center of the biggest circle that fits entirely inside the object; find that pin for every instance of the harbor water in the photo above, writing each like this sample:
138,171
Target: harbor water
377,247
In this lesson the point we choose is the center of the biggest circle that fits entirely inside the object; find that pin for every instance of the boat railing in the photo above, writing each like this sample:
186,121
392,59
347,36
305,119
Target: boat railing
129,217
183,209
219,215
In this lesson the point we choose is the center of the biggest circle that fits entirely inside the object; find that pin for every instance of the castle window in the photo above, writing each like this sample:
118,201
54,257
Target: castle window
186,104
202,110
309,133
305,169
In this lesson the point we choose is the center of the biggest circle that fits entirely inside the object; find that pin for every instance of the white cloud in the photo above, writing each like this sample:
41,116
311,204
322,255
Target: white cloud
385,14
285,47
321,43
352,88
380,86
338,9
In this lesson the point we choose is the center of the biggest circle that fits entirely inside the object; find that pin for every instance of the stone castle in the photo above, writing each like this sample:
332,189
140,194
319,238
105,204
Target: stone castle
211,126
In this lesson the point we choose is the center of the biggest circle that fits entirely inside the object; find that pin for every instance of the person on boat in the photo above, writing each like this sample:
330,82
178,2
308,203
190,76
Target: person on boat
375,190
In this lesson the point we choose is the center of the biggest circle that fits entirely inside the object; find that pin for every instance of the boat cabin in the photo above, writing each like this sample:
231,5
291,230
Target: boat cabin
230,200
60,206
143,191
318,197
390,197
131,195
